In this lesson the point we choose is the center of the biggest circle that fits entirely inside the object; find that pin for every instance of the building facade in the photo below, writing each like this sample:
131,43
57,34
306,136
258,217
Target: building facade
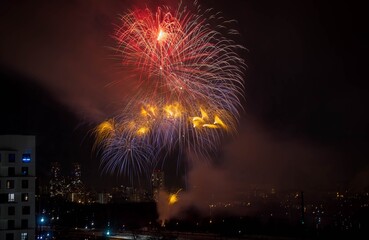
157,183
76,189
17,187
57,181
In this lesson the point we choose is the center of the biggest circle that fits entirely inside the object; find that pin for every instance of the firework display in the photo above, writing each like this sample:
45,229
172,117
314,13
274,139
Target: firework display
173,198
189,81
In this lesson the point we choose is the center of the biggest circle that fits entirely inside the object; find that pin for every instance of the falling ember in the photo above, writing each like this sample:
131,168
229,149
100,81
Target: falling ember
173,198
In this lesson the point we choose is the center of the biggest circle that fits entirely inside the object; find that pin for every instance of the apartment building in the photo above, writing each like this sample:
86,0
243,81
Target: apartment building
17,187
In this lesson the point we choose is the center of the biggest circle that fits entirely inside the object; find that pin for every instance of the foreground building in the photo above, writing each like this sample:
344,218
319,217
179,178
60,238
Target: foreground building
17,187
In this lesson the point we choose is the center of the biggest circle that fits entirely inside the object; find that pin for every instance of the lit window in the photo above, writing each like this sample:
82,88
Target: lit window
24,171
26,157
24,197
11,157
11,197
24,236
9,184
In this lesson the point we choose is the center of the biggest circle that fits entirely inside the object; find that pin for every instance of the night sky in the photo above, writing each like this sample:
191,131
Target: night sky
306,120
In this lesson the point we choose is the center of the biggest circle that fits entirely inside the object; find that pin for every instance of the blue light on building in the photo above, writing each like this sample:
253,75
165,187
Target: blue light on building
26,157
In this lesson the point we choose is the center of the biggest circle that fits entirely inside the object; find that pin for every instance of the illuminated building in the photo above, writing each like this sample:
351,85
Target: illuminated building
17,187
157,181
57,181
103,198
76,188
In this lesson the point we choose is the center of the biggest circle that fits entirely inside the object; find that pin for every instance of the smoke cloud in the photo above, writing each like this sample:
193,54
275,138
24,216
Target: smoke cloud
256,159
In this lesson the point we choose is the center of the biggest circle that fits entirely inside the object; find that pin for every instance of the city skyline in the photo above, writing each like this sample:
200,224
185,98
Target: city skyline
304,125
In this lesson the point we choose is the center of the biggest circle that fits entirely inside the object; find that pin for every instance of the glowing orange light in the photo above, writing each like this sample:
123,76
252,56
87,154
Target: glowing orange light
197,121
142,130
209,125
204,115
105,127
173,198
104,130
218,121
173,110
148,111
203,121
144,112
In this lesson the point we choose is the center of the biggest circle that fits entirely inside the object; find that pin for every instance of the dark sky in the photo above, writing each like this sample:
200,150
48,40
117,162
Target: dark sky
306,120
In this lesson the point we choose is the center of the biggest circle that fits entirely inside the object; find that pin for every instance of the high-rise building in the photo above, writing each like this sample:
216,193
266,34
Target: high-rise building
17,187
75,179
57,181
157,181
76,188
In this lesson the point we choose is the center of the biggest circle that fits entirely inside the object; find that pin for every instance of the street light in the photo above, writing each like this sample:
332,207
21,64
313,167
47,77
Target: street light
108,231
41,222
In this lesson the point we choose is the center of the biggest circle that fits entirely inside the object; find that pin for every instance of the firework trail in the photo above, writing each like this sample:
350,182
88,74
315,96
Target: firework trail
173,197
189,80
